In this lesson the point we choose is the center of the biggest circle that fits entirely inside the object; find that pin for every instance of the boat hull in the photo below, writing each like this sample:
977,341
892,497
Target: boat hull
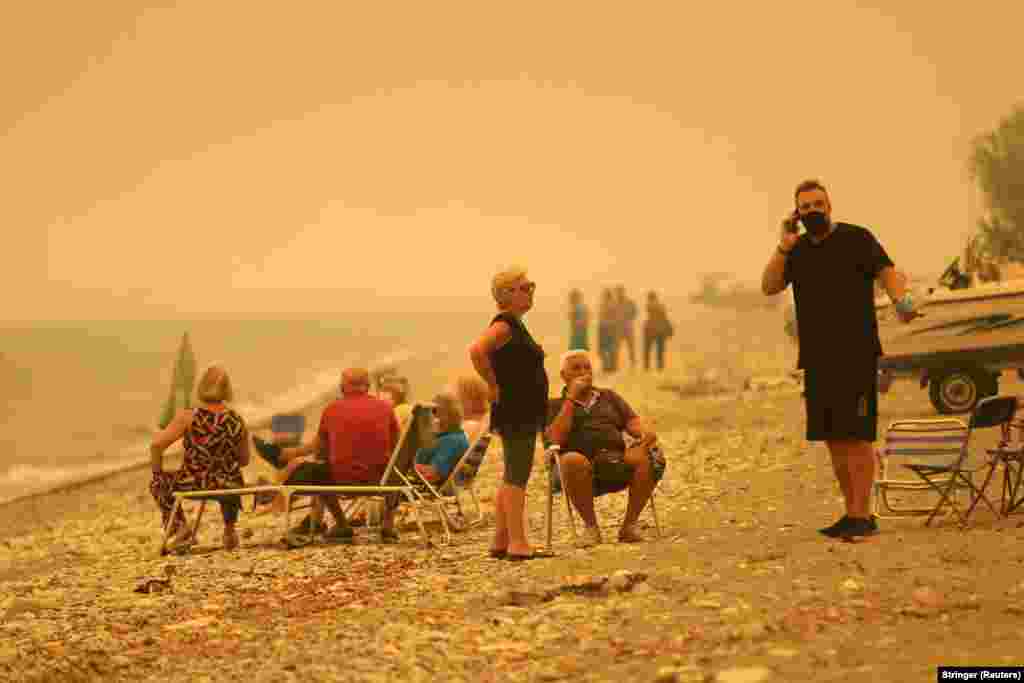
986,319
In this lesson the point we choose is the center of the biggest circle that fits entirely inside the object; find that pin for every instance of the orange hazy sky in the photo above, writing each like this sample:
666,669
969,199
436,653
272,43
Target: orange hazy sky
203,157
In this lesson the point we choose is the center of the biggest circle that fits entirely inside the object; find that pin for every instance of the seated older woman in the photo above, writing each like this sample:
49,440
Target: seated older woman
216,443
473,396
396,390
435,463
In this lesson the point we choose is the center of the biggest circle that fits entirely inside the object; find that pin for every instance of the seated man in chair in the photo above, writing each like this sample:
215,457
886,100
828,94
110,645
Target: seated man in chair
587,423
357,434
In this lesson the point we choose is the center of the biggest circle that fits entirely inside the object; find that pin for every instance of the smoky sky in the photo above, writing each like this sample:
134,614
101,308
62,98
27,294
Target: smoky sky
199,157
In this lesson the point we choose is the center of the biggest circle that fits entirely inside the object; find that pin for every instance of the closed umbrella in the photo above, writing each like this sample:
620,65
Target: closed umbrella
182,381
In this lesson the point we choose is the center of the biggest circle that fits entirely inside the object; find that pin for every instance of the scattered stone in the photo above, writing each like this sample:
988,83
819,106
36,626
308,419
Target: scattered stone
926,596
620,580
753,674
680,674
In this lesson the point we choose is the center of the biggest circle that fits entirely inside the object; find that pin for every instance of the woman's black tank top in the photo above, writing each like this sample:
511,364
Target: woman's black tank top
522,380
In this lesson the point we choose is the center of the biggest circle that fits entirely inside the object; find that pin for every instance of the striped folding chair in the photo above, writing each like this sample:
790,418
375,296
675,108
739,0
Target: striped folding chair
933,455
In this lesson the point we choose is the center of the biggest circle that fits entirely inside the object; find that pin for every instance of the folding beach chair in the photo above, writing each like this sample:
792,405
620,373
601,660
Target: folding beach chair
1010,454
553,464
394,482
397,480
460,479
936,452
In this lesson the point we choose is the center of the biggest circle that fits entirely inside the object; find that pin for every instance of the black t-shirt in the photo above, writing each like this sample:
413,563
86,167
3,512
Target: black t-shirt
833,286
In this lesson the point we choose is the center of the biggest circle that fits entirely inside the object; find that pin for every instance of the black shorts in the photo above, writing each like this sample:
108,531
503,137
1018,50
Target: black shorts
842,401
319,474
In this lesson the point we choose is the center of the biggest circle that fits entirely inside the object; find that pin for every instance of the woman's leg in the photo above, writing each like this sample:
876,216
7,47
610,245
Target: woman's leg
515,513
519,452
229,508
661,352
162,489
500,521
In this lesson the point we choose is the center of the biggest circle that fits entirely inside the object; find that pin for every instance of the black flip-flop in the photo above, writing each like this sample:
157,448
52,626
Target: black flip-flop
497,554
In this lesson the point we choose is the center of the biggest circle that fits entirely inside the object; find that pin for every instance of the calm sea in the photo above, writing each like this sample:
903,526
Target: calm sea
81,398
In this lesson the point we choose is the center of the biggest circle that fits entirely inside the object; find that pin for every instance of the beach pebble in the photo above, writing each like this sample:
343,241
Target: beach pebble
754,674
620,580
926,596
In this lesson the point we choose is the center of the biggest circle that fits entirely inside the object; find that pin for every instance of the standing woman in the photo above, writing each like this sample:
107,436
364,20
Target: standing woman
512,364
579,321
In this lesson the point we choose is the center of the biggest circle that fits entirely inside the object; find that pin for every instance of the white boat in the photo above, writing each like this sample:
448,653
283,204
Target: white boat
955,321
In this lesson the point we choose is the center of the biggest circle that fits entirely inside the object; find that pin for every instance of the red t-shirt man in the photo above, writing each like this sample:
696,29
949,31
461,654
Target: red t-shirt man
359,432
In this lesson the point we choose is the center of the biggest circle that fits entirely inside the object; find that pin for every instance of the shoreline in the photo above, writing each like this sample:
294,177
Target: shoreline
427,372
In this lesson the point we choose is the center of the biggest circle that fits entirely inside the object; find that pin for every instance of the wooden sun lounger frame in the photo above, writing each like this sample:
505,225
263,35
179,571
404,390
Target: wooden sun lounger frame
289,490
394,470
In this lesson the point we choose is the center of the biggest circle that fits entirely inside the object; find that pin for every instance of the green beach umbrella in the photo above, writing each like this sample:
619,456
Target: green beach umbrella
182,381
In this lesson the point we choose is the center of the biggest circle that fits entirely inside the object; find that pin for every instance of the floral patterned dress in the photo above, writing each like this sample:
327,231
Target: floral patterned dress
212,444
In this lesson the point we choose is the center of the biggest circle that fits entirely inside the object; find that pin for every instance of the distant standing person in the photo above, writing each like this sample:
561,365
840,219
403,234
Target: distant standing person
607,331
627,323
579,321
512,364
657,331
832,268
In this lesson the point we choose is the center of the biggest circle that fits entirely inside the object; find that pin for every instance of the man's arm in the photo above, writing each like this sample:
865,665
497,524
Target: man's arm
302,451
559,428
773,280
894,282
638,428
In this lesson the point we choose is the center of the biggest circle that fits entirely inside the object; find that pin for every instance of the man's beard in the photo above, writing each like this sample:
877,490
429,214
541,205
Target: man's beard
816,222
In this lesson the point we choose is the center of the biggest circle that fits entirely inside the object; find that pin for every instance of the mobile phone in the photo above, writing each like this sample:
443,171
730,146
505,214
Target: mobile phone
794,222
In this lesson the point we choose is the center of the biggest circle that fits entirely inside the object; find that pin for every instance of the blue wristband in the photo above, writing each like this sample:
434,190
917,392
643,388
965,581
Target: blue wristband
905,304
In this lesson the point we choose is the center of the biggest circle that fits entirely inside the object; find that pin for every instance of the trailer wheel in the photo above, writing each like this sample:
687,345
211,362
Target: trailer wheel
960,389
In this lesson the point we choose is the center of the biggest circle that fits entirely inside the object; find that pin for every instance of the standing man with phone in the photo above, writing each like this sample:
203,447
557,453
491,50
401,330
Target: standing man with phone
832,268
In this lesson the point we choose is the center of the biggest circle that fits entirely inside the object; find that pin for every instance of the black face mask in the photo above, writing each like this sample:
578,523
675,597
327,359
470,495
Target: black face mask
816,223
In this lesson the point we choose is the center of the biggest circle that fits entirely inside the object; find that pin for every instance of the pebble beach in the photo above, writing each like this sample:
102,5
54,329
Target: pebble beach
738,587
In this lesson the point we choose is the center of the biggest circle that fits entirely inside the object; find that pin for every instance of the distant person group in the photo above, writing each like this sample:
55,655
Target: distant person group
616,328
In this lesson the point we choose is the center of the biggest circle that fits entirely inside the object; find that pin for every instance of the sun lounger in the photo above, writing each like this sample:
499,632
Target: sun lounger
394,482
460,479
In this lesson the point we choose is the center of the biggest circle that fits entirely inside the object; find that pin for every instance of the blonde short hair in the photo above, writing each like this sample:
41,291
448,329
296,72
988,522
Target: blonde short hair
573,353
449,412
473,393
502,280
397,389
214,385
